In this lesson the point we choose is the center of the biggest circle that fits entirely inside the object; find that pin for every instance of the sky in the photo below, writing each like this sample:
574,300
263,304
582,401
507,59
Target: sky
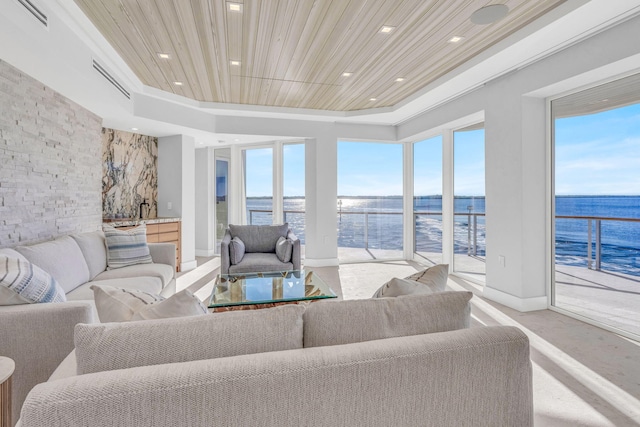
598,154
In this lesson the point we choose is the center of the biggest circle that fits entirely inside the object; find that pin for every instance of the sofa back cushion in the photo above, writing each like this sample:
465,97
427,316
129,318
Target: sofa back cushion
62,259
259,238
94,249
352,321
108,346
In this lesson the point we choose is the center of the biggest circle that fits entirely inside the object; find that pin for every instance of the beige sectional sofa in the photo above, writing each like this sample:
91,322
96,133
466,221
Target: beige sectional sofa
405,361
39,336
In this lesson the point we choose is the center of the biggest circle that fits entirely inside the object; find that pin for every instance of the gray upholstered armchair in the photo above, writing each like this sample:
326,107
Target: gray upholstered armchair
259,248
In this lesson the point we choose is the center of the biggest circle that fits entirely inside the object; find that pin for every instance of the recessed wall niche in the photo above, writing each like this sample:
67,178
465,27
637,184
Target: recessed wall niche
130,174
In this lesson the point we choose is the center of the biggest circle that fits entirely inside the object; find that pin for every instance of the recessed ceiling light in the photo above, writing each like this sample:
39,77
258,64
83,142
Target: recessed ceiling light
400,79
489,14
236,140
455,39
373,99
387,29
177,83
235,7
134,128
347,74
235,62
164,56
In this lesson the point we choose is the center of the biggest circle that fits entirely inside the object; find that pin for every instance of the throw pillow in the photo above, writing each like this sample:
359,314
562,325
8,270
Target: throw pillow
434,278
396,287
126,247
181,304
103,347
123,305
236,250
22,282
284,249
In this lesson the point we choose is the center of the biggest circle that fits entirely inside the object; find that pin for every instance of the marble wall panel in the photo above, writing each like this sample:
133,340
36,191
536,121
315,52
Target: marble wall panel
130,174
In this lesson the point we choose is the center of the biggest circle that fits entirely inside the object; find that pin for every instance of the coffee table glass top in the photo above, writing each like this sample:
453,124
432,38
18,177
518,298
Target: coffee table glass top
265,288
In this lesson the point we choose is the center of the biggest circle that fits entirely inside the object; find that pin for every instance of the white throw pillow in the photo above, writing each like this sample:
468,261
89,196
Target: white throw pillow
430,280
123,305
22,282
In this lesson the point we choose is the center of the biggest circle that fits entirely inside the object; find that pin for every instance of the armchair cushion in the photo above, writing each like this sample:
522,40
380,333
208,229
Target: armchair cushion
236,250
259,238
284,248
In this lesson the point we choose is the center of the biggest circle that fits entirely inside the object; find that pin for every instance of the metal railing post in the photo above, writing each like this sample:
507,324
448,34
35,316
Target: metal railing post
598,244
589,249
469,230
250,217
475,235
366,230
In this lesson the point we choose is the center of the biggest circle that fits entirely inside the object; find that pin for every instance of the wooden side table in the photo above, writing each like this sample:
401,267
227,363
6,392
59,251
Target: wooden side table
6,371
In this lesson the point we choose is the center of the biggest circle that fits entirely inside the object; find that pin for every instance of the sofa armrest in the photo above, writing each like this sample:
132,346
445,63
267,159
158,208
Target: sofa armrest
38,337
295,254
225,260
163,253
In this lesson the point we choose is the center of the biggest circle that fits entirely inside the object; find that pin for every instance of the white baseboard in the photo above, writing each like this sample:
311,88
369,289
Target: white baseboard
205,252
187,266
321,262
520,304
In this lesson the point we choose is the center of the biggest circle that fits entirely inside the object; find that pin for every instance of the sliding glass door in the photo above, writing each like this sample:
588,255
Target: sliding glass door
469,202
596,140
427,199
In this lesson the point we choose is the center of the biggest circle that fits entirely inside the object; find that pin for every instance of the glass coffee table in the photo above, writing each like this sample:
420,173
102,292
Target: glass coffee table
248,291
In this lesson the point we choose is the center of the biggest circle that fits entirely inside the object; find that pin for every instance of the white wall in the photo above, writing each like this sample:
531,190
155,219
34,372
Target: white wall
204,202
176,189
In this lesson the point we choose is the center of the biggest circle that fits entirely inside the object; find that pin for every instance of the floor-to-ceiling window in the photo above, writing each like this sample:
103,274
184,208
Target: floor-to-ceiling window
469,202
293,188
369,201
427,199
258,185
596,138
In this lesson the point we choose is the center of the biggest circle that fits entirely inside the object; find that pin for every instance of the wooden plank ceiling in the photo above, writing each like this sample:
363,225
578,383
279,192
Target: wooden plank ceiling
293,53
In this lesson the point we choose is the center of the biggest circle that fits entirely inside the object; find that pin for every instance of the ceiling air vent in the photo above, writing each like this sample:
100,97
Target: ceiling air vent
37,13
99,68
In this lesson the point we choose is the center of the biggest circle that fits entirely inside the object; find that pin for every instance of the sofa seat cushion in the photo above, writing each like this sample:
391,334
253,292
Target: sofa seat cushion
109,346
145,284
257,262
378,318
94,249
62,259
259,238
163,272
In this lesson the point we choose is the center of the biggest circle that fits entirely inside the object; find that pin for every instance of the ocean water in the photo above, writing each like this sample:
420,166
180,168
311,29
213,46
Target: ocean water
381,218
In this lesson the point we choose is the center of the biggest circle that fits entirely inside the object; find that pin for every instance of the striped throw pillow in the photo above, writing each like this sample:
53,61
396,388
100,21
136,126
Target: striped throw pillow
22,282
126,247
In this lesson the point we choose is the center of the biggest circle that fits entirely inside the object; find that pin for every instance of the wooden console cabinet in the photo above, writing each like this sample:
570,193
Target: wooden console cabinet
166,232
160,232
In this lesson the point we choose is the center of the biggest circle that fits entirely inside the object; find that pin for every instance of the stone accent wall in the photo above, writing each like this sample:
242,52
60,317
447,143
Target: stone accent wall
50,162
130,174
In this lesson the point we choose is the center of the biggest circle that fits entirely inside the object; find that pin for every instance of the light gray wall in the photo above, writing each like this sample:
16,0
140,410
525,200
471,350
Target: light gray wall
50,162
204,201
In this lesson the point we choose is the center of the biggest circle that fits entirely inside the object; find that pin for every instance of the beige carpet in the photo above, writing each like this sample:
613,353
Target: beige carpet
582,375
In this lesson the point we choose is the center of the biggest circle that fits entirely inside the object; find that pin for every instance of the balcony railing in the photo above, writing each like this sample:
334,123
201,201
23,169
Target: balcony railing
594,231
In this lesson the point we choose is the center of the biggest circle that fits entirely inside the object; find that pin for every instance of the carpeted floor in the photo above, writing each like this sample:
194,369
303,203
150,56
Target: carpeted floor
583,375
